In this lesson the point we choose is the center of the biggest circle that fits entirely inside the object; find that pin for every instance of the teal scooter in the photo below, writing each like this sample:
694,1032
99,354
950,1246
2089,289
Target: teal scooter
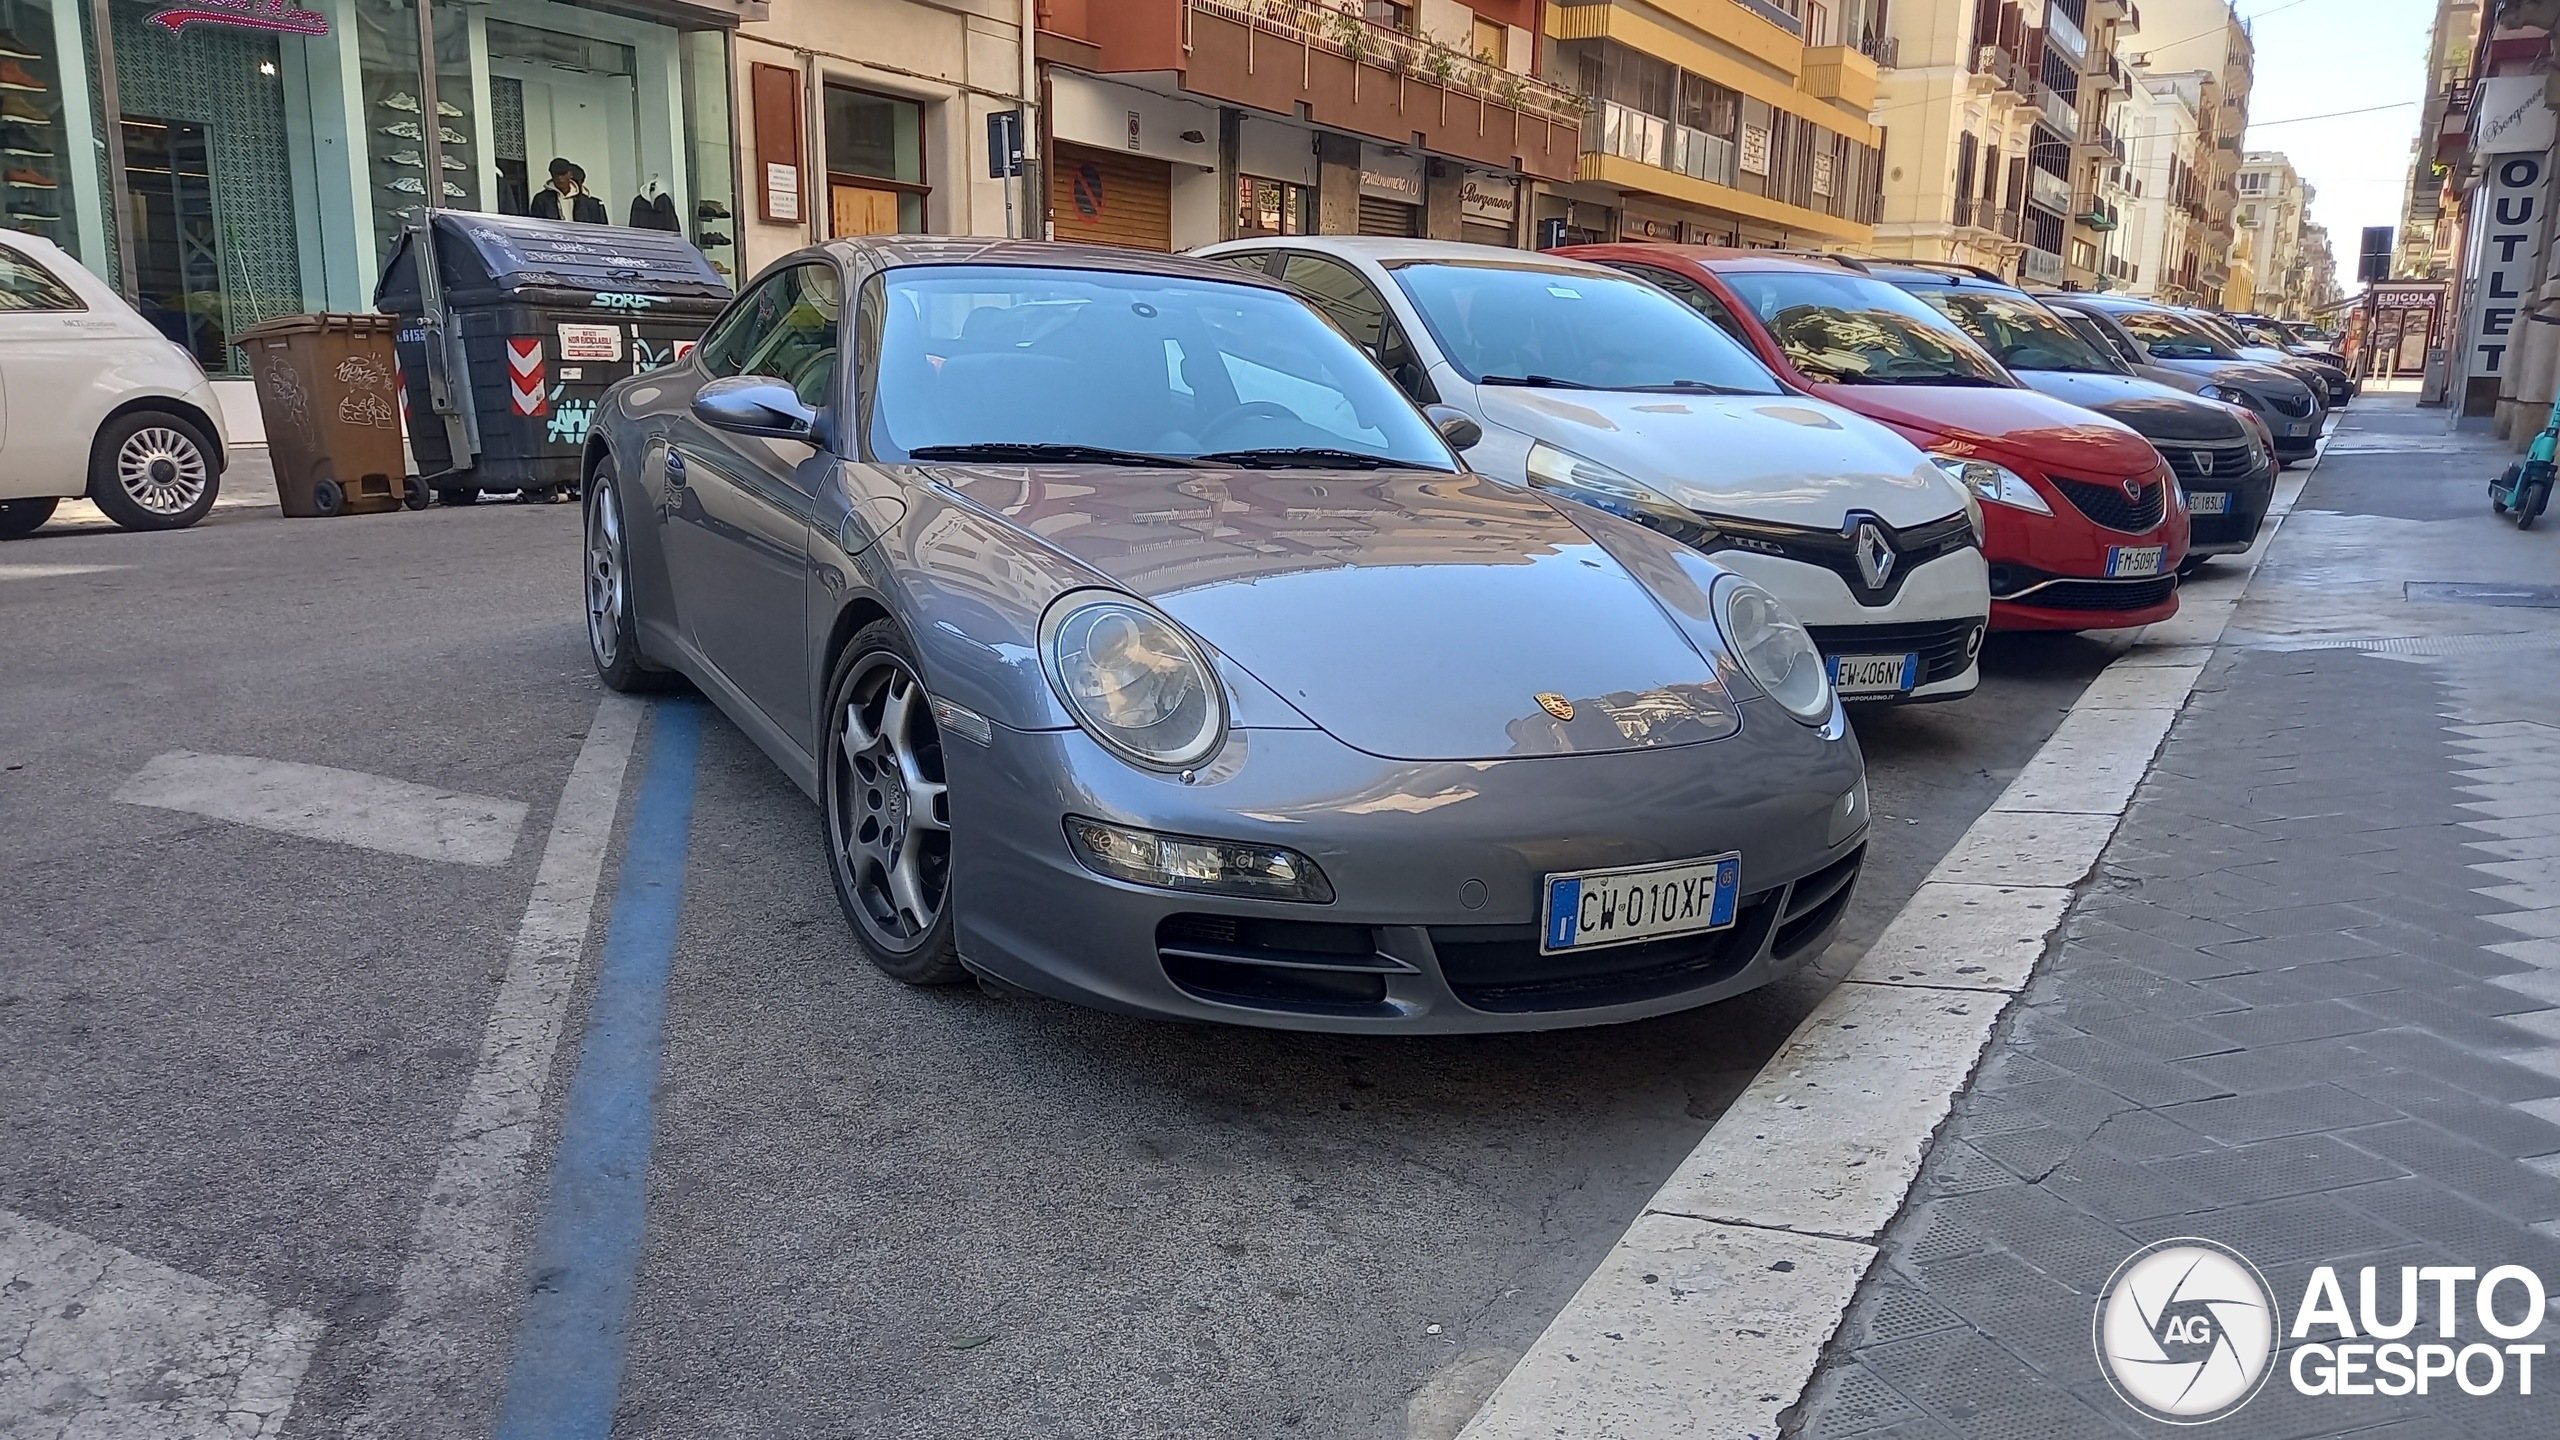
2526,487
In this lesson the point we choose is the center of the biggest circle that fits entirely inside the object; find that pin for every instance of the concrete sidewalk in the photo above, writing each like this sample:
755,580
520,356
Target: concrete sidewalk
2302,1010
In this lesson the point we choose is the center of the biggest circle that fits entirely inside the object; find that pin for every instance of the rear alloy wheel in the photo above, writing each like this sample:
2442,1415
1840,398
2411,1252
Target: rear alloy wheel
152,470
20,518
887,810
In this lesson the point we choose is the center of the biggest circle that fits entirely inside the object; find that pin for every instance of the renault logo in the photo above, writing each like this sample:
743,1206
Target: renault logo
1875,556
1555,704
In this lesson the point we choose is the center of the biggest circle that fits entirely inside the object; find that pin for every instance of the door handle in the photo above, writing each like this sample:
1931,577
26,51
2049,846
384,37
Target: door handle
675,468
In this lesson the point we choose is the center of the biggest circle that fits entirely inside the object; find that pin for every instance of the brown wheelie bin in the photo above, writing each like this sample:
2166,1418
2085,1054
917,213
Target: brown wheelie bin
330,394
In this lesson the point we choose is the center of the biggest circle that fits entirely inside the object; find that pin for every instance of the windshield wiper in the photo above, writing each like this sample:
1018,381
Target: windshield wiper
1308,457
1543,382
1974,380
1702,387
1000,450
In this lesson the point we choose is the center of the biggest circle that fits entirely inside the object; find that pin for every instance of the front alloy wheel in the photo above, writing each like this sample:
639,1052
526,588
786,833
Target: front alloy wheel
613,631
888,811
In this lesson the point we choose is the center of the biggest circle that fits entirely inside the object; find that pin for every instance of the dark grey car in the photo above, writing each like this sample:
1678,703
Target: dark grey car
2226,474
2160,343
1144,647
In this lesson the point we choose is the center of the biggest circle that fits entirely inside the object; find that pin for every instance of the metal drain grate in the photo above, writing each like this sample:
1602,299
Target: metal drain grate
2412,644
2528,597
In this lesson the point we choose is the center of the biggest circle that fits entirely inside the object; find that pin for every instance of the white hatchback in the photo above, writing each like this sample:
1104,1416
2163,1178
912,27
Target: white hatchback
1593,385
95,402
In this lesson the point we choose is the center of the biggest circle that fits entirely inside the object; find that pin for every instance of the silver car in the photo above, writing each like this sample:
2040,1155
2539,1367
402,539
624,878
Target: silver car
1143,647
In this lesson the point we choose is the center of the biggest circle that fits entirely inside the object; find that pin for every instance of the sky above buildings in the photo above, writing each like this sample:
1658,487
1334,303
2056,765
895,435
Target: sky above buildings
2320,57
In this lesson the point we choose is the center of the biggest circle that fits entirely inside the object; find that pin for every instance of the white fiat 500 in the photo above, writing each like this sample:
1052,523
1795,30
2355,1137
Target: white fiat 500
95,402
1592,384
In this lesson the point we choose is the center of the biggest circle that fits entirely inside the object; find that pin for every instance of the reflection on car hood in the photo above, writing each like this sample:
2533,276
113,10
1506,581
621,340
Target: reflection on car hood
1779,458
2155,411
2244,373
1413,615
2049,433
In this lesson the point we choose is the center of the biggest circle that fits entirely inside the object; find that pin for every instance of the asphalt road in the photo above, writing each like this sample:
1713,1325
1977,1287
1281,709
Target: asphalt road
871,1211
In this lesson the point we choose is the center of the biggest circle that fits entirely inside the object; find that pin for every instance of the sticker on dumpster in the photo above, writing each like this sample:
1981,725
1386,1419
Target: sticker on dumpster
590,342
524,376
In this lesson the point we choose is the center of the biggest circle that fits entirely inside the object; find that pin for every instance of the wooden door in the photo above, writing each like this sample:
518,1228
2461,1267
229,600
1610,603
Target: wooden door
861,210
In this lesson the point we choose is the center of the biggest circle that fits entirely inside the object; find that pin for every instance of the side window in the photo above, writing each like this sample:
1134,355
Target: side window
1697,297
785,328
1257,262
26,285
1357,307
2103,335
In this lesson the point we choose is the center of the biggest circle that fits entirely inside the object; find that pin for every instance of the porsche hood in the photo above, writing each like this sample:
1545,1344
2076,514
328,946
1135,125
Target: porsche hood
1412,615
1779,458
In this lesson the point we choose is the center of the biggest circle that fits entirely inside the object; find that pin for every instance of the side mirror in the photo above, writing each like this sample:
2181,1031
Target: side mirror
755,405
1455,426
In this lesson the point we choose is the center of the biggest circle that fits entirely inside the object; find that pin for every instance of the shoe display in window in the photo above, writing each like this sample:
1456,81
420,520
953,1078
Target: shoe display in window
19,142
401,101
29,180
450,163
711,210
14,76
409,159
17,49
31,217
453,191
405,130
712,240
13,107
451,136
448,110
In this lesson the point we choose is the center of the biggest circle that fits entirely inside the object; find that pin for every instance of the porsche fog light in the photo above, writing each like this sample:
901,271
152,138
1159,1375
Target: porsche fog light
1188,862
1134,681
1849,813
1776,651
1996,483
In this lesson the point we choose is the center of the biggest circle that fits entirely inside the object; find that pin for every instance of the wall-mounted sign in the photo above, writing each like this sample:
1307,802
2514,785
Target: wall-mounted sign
2509,115
1822,163
243,15
782,191
2506,257
1135,126
1754,159
1386,175
1488,199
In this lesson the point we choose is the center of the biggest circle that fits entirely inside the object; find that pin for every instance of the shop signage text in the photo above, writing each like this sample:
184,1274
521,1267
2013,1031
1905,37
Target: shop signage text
243,15
1385,175
2509,257
1488,199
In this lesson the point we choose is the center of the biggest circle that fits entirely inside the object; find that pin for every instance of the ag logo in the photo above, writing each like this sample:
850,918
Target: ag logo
2186,1331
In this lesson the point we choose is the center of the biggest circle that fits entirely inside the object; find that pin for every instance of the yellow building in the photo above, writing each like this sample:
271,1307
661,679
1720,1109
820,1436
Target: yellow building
1727,122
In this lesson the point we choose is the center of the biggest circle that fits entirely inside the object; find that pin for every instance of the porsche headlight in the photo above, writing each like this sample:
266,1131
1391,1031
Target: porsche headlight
1996,483
1133,680
1776,651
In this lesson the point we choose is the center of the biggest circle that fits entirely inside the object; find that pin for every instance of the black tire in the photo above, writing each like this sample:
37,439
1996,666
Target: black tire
458,495
153,470
413,493
327,496
870,828
20,518
2531,509
613,625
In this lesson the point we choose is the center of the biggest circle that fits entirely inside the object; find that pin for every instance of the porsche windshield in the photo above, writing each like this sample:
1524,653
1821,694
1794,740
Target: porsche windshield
1022,363
1855,330
2024,334
2169,335
1572,329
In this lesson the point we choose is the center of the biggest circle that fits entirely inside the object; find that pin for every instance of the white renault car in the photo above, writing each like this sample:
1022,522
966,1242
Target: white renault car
95,402
1594,385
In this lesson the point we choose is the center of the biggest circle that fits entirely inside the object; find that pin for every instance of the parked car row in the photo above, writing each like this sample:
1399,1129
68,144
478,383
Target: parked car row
1373,634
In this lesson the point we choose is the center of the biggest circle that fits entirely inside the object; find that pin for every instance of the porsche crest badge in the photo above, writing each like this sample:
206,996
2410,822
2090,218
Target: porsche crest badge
1556,705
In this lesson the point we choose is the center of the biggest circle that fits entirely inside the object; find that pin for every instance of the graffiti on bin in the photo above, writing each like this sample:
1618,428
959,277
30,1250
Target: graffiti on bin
646,356
570,419
364,372
610,300
367,409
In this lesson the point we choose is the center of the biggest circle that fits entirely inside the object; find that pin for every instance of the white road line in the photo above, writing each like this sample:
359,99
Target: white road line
459,1247
1708,1318
41,570
97,1343
320,803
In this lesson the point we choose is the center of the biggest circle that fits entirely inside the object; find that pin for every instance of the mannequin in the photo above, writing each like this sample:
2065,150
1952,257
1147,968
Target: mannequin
653,208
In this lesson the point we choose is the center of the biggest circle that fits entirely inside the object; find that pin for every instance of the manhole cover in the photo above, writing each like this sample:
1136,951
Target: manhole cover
2530,597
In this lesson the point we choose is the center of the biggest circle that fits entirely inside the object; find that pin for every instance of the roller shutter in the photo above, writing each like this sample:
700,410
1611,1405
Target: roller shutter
1475,234
1387,217
1101,198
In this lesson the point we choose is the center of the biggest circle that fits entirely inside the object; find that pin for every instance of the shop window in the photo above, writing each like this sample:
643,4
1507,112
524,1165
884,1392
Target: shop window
1274,207
875,163
177,257
37,174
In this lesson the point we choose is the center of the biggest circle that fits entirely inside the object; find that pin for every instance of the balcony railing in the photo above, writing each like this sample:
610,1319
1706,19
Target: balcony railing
2062,114
1319,26
1998,63
1631,134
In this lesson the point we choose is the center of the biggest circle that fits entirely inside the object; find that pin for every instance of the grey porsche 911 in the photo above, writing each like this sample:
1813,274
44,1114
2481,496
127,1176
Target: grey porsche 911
1144,647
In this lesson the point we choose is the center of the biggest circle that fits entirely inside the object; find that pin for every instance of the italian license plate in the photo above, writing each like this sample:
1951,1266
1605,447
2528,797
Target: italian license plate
2133,562
1594,908
2298,427
2209,502
1874,674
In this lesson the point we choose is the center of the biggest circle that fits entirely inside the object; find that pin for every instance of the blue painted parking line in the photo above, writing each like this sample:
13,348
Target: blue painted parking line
568,1356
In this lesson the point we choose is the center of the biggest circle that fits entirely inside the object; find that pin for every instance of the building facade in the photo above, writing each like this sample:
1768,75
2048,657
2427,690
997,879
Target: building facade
2208,36
2275,205
228,161
2425,249
2164,182
1174,123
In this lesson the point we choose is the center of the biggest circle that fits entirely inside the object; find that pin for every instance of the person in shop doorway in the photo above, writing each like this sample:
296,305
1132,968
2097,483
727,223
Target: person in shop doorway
566,197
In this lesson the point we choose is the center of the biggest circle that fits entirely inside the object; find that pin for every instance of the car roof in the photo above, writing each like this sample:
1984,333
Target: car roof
1940,273
904,251
1394,250
1736,260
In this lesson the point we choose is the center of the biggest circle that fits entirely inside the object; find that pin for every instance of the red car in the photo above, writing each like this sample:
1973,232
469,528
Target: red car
2085,528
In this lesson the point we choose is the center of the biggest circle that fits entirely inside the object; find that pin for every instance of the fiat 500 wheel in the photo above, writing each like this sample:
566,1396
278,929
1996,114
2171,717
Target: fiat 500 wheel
152,470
